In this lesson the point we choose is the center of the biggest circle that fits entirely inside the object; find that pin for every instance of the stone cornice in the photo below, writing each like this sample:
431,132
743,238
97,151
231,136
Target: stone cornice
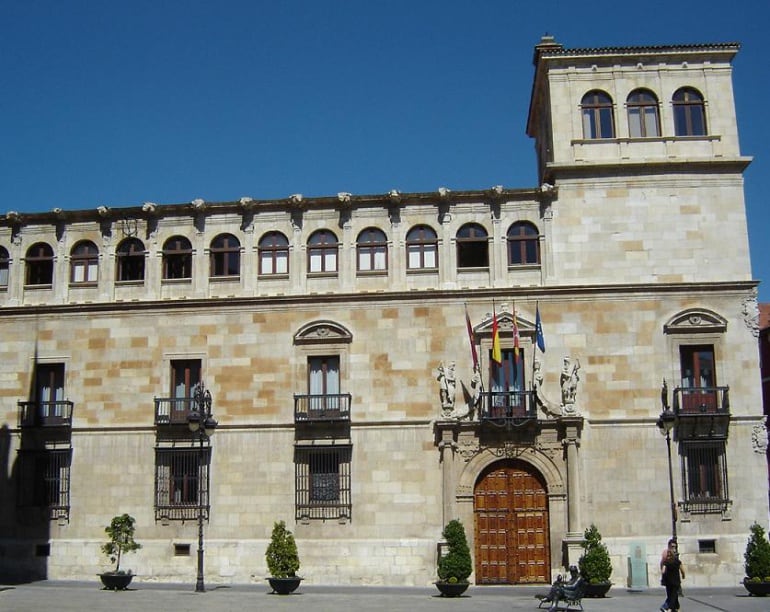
543,294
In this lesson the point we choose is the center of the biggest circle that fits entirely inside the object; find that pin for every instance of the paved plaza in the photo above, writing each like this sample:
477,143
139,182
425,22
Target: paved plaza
148,597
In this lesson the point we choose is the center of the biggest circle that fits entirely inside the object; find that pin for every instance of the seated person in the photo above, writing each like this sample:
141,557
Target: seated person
565,590
557,588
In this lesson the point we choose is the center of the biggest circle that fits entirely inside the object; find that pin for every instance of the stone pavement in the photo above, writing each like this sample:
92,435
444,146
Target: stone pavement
149,597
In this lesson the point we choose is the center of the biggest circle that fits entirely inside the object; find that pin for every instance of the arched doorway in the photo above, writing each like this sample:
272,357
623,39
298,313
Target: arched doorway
511,525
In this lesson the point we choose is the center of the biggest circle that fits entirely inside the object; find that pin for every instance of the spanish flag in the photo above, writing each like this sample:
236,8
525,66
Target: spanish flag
497,353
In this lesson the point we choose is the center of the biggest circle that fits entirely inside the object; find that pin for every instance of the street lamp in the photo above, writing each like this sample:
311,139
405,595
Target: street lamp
665,423
202,425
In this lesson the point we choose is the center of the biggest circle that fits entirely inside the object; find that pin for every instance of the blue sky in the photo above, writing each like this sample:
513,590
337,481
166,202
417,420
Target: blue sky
118,103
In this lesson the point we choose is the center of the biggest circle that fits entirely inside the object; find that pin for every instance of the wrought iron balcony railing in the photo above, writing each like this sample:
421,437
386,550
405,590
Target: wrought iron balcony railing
701,400
507,406
45,414
311,408
173,410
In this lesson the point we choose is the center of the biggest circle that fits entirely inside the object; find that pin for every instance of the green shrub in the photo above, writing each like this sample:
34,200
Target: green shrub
121,532
595,565
455,565
757,555
281,555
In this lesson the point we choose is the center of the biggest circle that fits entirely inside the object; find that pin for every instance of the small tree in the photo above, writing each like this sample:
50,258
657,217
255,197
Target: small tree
121,533
455,565
281,555
757,555
595,564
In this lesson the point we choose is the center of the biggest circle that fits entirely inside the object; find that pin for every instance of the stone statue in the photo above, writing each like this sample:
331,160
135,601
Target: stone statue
569,382
447,386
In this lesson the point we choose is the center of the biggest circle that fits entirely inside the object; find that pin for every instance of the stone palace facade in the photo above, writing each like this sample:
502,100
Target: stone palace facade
349,347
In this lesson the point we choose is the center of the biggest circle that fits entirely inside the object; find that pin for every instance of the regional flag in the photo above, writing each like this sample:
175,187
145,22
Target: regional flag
515,338
539,330
497,353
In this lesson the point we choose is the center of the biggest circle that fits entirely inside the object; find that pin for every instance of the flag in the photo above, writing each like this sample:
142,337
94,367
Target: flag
539,330
497,354
515,338
474,355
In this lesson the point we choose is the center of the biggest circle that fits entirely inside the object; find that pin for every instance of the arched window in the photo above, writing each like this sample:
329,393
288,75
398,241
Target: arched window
5,263
177,258
322,252
523,244
225,256
273,254
372,250
130,260
472,246
596,109
689,113
39,264
84,263
421,248
643,114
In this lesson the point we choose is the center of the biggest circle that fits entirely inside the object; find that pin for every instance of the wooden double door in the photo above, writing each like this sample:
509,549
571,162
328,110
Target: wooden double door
511,525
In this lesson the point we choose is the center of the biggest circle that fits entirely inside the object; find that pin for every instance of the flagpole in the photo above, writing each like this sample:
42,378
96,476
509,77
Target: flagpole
534,347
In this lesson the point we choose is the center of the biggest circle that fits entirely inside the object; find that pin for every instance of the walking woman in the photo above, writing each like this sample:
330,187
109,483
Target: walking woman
673,574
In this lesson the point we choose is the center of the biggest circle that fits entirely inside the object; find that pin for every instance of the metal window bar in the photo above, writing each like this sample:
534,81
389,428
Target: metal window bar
323,483
322,407
508,405
45,414
45,480
177,480
701,400
173,410
704,476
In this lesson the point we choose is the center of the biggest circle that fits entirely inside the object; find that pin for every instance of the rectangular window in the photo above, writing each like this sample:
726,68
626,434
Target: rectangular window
704,475
185,374
324,383
322,477
506,383
181,482
44,480
699,390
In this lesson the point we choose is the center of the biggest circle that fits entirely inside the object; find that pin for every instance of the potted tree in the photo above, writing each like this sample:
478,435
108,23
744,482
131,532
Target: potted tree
594,564
121,533
455,566
757,562
282,560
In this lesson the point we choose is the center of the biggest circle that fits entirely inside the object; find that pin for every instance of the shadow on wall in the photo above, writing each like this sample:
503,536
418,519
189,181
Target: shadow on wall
25,527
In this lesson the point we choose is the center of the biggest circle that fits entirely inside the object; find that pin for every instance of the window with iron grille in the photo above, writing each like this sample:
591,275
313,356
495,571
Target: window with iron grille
44,480
181,482
322,477
704,475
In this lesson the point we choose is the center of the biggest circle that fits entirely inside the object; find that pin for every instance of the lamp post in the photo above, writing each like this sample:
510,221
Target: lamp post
666,422
202,425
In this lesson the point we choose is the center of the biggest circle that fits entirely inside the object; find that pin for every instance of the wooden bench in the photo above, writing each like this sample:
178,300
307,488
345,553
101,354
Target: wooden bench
573,602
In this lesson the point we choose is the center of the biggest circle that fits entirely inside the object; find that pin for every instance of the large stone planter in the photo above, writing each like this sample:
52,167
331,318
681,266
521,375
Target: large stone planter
597,590
116,582
451,589
758,589
284,586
